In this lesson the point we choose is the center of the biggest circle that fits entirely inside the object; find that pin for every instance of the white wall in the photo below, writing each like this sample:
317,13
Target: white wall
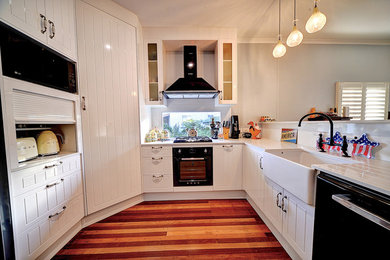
305,77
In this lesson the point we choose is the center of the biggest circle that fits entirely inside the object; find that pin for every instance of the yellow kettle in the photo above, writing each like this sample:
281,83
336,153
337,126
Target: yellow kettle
47,143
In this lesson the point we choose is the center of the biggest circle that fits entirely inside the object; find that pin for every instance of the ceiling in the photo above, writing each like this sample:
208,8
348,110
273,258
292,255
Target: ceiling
347,20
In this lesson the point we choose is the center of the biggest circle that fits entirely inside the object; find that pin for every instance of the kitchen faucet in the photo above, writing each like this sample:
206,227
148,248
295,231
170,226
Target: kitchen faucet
331,142
344,146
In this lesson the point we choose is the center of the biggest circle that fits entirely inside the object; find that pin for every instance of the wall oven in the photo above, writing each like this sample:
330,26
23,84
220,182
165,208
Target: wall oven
351,221
193,166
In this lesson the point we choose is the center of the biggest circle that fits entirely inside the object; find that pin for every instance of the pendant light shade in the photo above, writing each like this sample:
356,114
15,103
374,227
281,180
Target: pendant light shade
279,49
316,21
295,38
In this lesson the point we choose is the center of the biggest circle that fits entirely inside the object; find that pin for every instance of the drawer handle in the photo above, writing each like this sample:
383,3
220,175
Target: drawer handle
53,165
156,147
58,213
157,159
43,23
52,29
227,146
157,178
54,184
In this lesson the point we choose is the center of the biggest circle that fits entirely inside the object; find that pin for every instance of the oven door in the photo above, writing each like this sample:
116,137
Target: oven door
189,171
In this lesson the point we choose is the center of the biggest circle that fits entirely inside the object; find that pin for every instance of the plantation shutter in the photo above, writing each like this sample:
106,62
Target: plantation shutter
376,102
366,100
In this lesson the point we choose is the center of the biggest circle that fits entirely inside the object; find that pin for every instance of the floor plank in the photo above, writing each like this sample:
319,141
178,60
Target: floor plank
187,229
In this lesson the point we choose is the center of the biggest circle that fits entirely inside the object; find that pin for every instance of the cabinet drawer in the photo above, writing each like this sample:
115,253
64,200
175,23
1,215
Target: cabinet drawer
34,177
158,182
33,241
32,206
156,150
157,164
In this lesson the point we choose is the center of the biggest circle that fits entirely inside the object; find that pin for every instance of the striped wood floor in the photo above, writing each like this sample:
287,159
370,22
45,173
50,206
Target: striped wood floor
196,229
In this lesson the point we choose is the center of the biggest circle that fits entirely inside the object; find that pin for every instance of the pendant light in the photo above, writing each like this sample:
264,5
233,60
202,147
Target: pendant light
316,21
295,38
279,49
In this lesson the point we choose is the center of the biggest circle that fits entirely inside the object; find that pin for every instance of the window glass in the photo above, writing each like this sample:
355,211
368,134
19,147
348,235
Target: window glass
177,123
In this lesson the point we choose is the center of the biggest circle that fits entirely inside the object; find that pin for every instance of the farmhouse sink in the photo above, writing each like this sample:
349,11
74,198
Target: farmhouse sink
291,169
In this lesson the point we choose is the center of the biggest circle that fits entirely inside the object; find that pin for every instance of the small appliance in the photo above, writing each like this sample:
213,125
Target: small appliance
234,128
26,149
47,143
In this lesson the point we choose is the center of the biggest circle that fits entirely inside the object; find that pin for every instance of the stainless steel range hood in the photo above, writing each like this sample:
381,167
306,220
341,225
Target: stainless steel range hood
190,87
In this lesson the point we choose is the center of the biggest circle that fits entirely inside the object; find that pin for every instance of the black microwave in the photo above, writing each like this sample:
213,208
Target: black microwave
26,59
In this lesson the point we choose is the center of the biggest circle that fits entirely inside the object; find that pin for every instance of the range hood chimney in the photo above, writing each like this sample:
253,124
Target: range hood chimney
190,87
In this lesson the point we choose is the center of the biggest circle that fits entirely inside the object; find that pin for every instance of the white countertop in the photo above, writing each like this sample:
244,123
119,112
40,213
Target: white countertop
370,173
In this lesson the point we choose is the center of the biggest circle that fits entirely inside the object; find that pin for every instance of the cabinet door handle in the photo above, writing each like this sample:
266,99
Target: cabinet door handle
157,159
54,184
52,30
58,213
53,165
227,146
261,162
83,103
156,147
283,204
277,200
43,24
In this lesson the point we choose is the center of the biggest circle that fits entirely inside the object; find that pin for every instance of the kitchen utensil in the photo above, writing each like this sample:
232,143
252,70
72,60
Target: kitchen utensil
26,149
47,143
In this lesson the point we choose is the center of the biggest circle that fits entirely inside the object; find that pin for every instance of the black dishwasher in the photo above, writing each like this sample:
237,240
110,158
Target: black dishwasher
351,221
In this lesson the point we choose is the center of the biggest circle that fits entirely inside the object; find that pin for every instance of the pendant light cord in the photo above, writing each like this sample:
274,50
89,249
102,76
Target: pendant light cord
279,19
295,12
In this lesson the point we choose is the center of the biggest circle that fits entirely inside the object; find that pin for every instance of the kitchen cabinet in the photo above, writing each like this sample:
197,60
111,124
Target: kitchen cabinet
227,167
253,179
157,169
108,85
227,71
293,218
154,82
51,22
46,201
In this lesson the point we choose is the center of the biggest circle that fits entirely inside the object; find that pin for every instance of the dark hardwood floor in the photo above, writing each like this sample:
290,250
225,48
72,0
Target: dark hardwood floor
195,229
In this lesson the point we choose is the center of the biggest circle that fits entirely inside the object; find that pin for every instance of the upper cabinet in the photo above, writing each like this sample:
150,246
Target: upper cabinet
154,69
216,62
227,71
51,22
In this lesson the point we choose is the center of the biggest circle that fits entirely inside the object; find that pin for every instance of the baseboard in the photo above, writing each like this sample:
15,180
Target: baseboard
290,251
239,194
107,212
52,250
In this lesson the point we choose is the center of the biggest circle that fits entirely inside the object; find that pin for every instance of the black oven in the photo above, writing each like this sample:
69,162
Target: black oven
26,59
193,166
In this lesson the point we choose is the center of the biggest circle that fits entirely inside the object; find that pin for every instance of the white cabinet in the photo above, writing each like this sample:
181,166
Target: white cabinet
47,200
227,167
293,218
52,22
108,82
227,71
157,169
154,81
253,178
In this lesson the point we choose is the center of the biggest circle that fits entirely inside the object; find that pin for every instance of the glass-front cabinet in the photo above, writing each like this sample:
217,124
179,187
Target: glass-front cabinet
227,71
154,72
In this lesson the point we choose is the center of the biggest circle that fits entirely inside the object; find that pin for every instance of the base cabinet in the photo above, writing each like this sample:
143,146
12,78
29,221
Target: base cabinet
253,178
293,218
227,166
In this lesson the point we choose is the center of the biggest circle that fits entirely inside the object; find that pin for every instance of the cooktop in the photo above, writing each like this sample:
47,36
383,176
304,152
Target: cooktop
188,139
